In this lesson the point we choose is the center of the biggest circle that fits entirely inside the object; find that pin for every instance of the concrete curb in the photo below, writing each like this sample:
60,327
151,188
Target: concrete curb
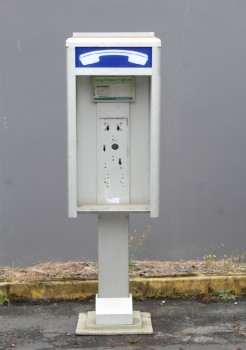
163,287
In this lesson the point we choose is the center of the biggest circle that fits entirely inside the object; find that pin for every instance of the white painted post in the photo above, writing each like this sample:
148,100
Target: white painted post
71,132
113,302
155,133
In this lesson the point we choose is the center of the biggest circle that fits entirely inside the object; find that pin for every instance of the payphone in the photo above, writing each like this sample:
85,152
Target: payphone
113,89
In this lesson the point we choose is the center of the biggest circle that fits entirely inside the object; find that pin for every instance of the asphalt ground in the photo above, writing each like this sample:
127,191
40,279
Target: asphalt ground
177,324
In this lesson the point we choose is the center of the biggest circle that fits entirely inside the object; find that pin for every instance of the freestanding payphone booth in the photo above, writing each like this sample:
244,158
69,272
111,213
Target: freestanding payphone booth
113,88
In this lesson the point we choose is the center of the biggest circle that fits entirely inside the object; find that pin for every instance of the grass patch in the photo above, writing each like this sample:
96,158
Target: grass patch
4,300
224,295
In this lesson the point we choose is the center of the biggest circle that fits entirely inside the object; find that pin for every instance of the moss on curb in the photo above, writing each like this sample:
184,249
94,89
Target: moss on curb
167,287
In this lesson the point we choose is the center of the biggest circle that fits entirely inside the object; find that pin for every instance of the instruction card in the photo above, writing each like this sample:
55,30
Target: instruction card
113,88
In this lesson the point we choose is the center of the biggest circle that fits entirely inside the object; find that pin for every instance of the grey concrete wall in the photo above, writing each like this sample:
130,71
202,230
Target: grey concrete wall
203,177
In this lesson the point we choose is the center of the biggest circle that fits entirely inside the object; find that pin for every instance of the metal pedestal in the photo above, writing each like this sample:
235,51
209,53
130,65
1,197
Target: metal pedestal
114,311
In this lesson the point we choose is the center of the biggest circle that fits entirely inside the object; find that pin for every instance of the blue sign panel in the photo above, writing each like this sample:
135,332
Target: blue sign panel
107,57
